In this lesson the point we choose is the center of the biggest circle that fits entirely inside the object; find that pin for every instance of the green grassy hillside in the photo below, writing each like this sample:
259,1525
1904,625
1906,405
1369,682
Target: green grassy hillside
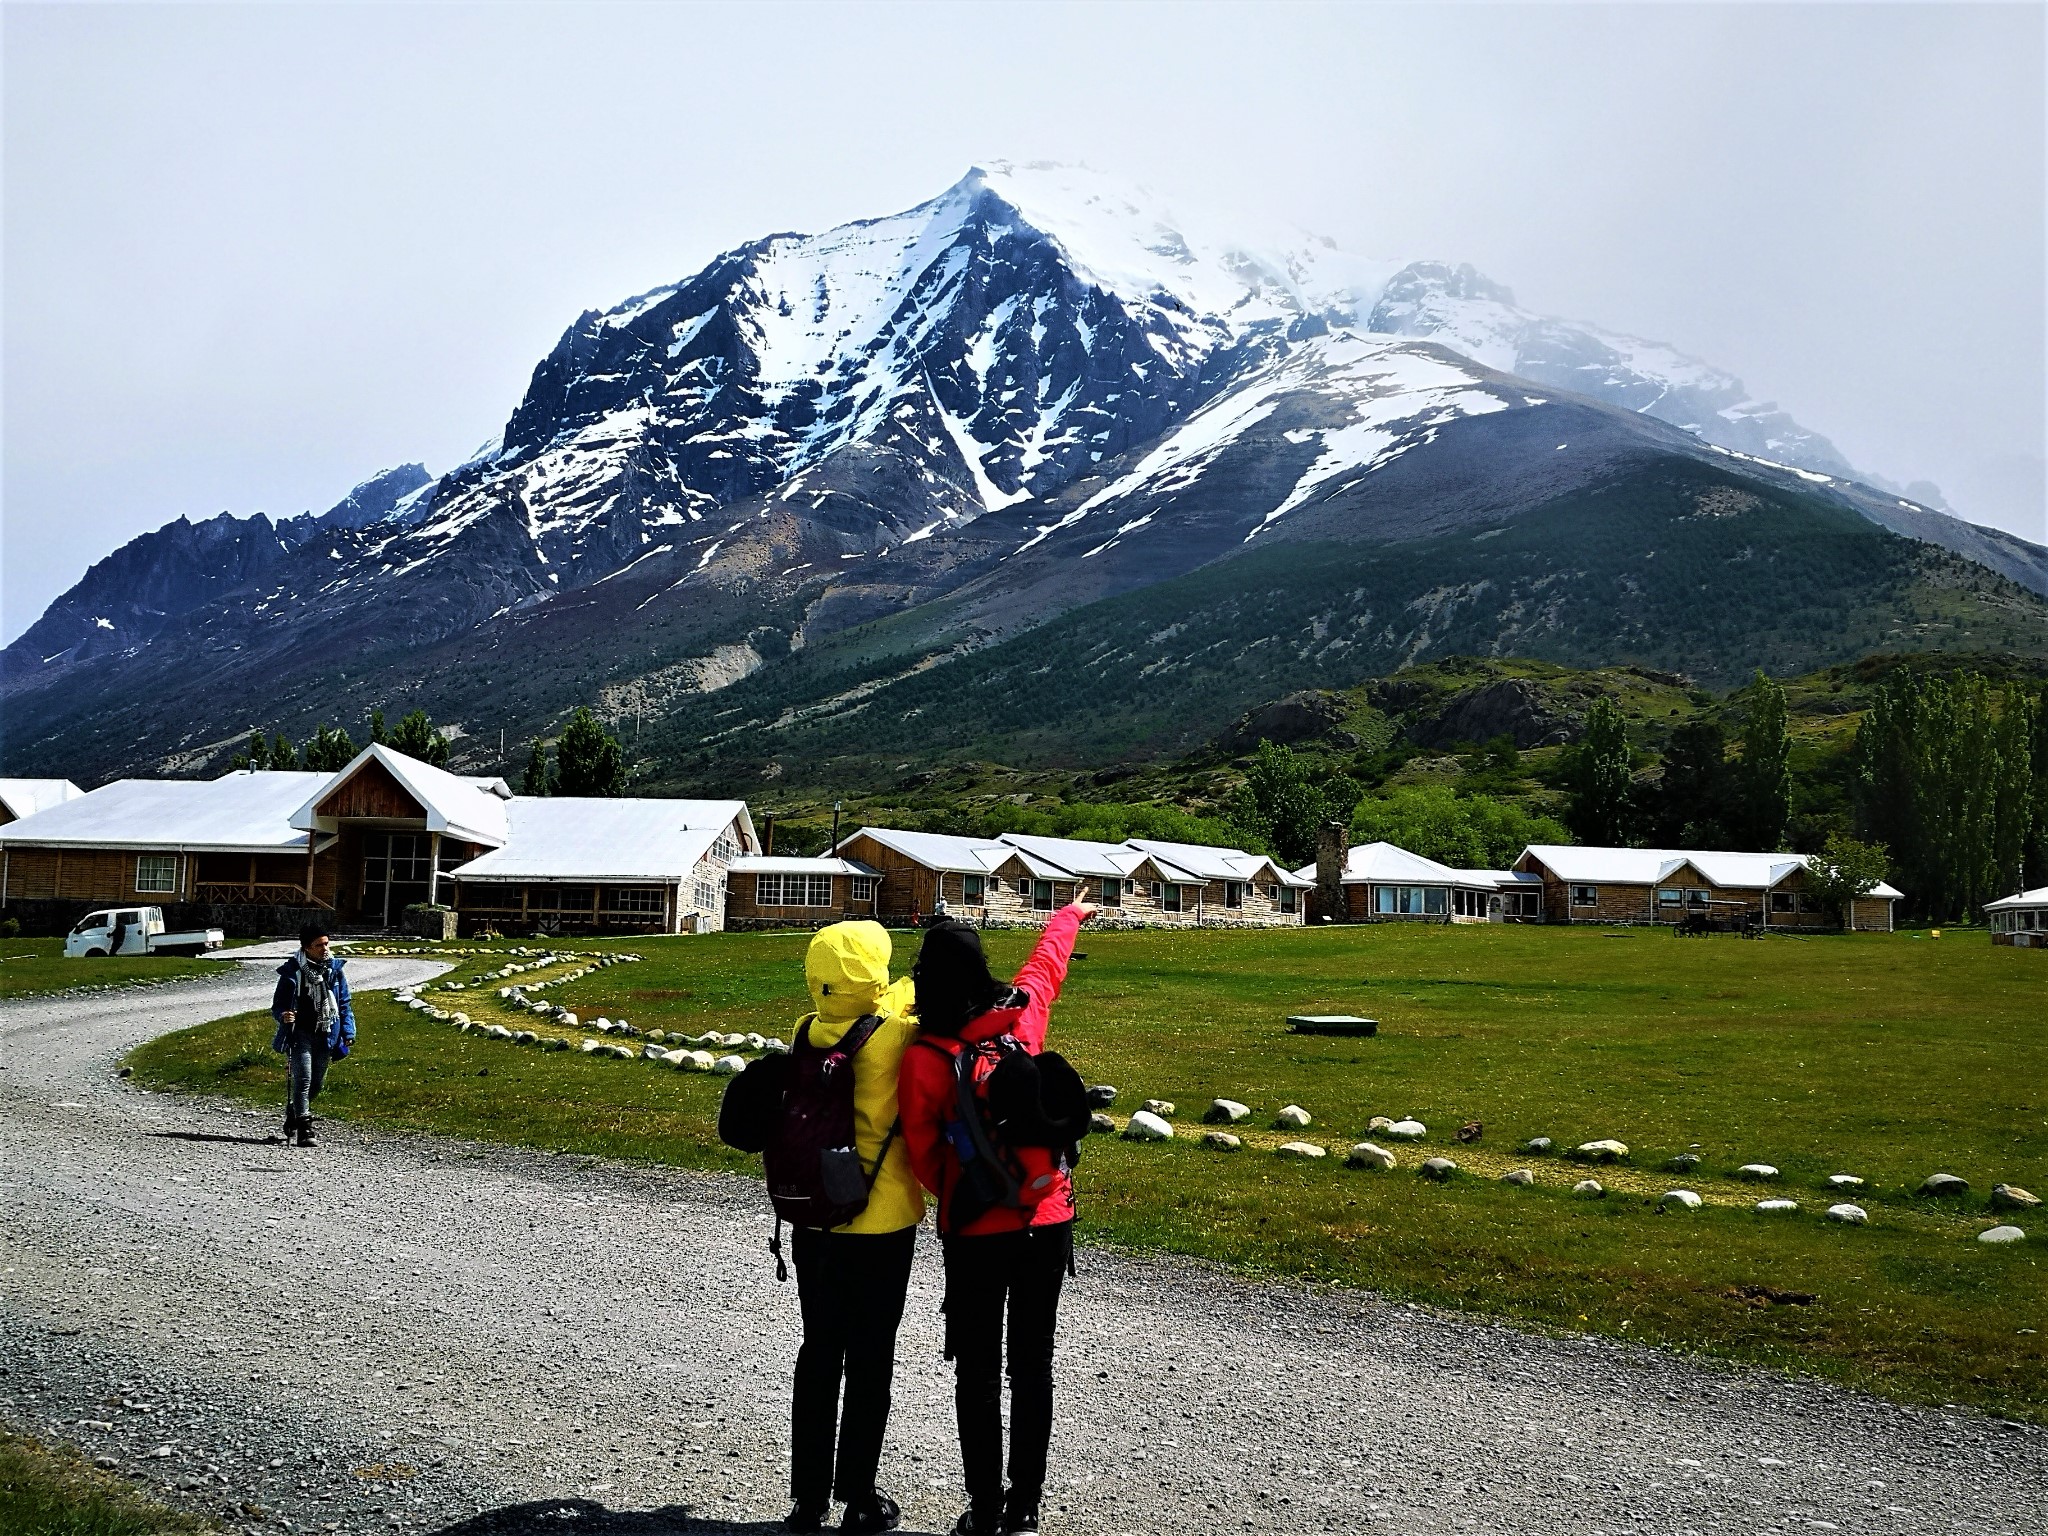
1682,569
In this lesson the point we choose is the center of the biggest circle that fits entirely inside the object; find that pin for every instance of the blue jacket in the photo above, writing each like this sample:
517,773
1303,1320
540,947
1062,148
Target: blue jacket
341,1035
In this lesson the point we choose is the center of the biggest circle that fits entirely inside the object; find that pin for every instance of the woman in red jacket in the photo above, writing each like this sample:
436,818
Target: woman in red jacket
999,1259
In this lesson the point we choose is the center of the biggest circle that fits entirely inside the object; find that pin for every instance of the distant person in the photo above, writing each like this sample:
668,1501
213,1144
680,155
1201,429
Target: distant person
315,1024
1007,1251
852,1279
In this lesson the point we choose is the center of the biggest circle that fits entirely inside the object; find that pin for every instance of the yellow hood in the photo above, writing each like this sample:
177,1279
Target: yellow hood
847,968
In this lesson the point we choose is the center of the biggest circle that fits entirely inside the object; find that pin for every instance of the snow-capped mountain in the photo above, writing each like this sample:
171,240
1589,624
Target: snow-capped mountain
1035,388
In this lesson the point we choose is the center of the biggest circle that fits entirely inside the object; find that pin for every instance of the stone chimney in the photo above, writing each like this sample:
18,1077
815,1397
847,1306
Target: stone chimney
1330,854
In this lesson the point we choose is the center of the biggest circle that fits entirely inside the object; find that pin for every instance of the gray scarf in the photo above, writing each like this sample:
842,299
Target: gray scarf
317,1007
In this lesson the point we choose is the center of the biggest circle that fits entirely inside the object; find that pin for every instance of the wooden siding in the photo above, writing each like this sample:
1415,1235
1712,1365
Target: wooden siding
371,792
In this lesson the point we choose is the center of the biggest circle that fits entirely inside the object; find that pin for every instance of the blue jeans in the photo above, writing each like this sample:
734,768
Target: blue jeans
305,1057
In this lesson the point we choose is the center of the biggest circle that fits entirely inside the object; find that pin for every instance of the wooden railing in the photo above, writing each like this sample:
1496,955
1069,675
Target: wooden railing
240,893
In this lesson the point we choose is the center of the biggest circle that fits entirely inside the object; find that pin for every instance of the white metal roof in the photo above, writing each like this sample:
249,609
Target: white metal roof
779,864
571,838
1204,863
1647,866
1391,864
239,812
24,797
1078,856
470,809
939,850
2037,897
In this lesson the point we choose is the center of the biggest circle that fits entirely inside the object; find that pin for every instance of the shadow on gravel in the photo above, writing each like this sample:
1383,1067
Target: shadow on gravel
239,1141
586,1517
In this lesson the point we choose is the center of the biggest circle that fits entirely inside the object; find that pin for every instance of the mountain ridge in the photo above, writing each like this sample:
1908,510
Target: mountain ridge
1032,392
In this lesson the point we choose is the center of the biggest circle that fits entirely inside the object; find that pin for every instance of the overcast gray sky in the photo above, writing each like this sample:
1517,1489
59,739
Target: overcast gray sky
256,253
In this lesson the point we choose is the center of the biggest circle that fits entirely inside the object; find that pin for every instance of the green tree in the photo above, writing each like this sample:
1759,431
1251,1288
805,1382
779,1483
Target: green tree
1463,831
589,761
377,735
283,756
539,781
1846,869
329,751
1602,808
255,755
1283,801
416,737
1762,774
2036,857
1690,804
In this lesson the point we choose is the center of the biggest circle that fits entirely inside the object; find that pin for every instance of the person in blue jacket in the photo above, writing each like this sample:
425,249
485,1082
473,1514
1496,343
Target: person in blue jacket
314,1024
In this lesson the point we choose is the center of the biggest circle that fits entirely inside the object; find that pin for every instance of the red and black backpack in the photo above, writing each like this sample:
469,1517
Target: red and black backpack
1015,1122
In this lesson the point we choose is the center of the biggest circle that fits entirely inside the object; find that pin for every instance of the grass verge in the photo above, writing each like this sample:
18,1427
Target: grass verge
50,1490
29,967
1889,1057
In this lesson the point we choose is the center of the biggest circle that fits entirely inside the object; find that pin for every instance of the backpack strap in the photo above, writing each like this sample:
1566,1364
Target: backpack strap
775,1247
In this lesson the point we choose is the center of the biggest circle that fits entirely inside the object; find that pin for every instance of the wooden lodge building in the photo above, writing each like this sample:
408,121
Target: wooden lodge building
1020,880
1385,883
1664,885
260,852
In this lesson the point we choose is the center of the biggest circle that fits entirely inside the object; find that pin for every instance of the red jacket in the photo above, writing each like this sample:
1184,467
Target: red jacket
925,1085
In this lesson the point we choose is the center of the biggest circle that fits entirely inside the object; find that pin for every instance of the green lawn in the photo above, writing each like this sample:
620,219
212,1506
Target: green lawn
50,1491
38,965
1891,1057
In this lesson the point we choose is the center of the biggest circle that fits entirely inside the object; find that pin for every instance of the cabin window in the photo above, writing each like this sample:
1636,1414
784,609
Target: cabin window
1169,897
970,890
1808,903
1695,897
1041,895
793,890
707,893
574,900
1411,900
1783,901
1289,898
863,887
725,848
156,873
1670,896
1585,895
1233,893
1109,893
633,900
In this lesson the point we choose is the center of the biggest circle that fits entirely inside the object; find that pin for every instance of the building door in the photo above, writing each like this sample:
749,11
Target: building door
394,873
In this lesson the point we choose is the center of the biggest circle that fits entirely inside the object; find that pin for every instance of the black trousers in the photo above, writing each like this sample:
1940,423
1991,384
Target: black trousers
850,1286
1013,1278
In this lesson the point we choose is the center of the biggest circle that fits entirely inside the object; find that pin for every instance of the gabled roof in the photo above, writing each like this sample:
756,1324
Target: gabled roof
1200,862
781,864
1078,856
1391,864
239,812
570,838
2037,897
1647,866
472,810
24,797
939,850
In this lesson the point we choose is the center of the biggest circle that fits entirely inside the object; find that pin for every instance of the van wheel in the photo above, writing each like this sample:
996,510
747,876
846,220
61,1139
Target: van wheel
95,954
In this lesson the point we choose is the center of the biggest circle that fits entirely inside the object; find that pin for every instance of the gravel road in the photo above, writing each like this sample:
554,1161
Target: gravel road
406,1334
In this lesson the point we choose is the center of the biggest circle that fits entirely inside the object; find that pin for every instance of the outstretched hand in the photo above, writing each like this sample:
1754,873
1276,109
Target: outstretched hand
1087,909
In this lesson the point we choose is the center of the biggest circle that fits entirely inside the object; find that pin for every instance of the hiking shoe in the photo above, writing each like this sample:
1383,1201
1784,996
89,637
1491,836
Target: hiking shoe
306,1133
807,1517
291,1128
973,1522
876,1512
1021,1522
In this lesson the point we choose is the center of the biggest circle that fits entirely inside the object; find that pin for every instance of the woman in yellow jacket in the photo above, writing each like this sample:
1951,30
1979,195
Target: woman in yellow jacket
851,1280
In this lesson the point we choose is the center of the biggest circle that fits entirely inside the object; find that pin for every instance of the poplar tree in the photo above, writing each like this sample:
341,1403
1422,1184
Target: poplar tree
1601,810
1763,770
539,781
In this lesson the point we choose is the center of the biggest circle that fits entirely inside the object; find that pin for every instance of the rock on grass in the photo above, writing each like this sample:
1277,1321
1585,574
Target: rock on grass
1222,1141
1308,1151
1367,1155
1146,1126
1225,1112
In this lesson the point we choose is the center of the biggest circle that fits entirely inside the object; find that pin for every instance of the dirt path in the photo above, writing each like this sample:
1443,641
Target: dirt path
396,1333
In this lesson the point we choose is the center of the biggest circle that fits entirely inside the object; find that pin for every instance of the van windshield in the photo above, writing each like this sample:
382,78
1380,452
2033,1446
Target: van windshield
91,920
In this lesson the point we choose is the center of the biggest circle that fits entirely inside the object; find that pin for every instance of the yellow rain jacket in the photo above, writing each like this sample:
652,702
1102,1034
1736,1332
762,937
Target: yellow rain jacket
847,967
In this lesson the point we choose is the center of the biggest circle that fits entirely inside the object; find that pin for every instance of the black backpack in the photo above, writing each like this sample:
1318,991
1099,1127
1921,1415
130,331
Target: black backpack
1016,1123
797,1111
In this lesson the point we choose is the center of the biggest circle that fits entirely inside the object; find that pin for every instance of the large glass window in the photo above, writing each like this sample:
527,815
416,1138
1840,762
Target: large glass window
156,873
633,900
1041,895
970,890
1169,897
1289,898
395,866
863,887
1585,895
1233,893
1109,893
793,890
